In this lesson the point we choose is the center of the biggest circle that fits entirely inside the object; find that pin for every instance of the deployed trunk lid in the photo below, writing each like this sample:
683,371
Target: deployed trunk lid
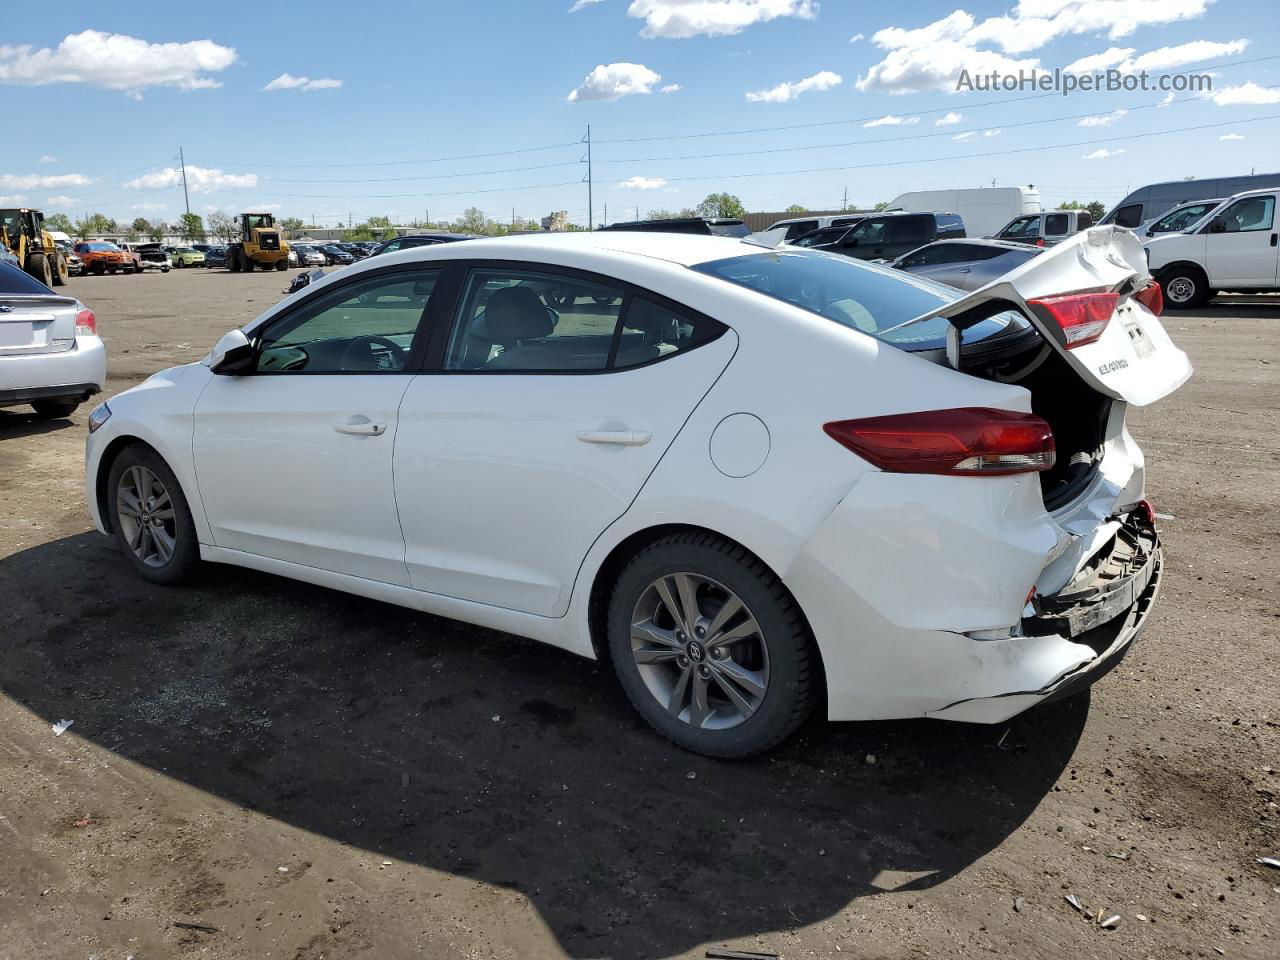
1133,360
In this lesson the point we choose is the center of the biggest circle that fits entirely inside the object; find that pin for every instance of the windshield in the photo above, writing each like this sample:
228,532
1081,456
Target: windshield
1183,217
103,247
855,294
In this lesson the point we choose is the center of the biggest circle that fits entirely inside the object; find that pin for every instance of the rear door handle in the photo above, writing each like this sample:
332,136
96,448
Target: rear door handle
1273,239
622,438
361,428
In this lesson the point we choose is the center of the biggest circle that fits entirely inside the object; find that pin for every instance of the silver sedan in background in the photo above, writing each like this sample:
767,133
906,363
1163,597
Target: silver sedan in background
966,264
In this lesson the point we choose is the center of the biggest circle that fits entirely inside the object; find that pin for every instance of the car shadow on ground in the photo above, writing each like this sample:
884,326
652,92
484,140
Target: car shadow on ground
502,760
22,422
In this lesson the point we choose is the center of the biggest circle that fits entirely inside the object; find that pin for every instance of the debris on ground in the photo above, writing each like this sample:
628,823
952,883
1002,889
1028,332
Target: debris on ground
1119,856
1270,862
1072,899
1111,922
282,869
61,726
202,927
691,775
1019,904
871,758
82,822
715,954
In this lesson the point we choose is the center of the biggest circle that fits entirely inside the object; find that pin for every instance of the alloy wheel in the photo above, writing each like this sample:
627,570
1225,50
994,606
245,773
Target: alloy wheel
700,651
146,515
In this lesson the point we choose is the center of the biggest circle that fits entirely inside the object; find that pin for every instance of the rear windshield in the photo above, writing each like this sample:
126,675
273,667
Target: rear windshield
15,281
854,294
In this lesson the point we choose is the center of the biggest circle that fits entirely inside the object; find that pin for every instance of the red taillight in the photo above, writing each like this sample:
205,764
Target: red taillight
969,441
1082,316
1151,297
1039,241
86,324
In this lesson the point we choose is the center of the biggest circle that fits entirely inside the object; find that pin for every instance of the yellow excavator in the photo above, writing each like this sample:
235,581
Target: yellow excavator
261,244
22,233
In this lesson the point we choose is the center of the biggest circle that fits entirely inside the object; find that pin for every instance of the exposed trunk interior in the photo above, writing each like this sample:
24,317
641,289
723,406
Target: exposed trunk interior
1076,412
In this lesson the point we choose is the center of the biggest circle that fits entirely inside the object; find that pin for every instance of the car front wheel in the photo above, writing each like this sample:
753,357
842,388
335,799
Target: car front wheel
1185,288
150,517
710,646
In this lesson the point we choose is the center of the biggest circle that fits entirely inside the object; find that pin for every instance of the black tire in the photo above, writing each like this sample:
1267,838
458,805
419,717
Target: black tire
282,265
246,264
38,267
1185,288
60,270
111,270
186,552
55,409
99,270
233,259
793,666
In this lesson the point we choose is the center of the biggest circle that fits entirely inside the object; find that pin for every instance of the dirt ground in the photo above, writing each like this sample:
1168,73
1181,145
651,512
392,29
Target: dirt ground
306,774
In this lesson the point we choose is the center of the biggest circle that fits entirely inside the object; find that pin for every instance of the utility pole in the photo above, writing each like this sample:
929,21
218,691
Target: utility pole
606,213
845,205
591,210
183,161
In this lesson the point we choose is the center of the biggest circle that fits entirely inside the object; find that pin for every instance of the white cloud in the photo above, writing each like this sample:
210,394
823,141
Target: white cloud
671,88
1231,136
149,207
33,181
891,121
1246,94
1166,58
1168,99
48,158
287,81
61,200
783,92
931,57
1102,153
1097,62
116,62
614,80
857,36
962,137
993,133
949,119
199,179
642,183
1104,119
677,19
580,4
12,199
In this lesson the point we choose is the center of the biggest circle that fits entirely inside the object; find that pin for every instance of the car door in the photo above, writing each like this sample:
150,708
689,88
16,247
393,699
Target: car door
539,427
293,458
867,240
1240,243
908,232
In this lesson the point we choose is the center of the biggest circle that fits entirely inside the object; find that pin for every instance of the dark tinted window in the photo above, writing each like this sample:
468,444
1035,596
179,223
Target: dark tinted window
912,229
15,281
819,237
1022,227
651,331
854,294
845,221
1084,220
868,231
800,228
1056,224
1129,216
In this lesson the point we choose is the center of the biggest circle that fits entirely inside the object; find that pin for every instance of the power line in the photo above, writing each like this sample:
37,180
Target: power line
394,196
436,176
394,163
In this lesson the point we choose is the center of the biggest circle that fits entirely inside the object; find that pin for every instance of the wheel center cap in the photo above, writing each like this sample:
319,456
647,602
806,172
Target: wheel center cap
696,651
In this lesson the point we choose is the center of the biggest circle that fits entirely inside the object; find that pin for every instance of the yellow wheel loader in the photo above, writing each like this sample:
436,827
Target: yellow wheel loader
22,233
261,244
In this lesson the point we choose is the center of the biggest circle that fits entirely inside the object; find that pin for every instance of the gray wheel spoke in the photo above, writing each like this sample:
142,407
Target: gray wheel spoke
165,514
747,628
728,610
749,680
135,538
128,504
146,545
669,601
680,692
730,690
164,543
655,654
688,591
648,632
699,708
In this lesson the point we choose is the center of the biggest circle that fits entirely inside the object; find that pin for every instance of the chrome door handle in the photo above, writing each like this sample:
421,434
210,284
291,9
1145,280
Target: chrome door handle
362,429
623,438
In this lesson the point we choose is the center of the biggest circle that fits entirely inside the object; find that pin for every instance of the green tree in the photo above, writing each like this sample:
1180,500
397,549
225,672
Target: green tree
191,228
58,221
721,205
157,231
389,234
796,208
472,221
1096,208
882,205
131,234
140,225
224,227
94,223
292,225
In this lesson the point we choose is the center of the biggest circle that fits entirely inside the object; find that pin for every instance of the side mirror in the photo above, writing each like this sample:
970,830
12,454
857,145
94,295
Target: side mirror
231,355
1217,225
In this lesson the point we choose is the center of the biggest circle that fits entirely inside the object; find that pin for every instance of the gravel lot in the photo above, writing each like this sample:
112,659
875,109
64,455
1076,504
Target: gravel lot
315,775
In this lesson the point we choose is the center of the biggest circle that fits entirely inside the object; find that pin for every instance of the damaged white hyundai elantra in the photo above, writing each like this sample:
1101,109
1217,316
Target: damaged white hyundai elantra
751,480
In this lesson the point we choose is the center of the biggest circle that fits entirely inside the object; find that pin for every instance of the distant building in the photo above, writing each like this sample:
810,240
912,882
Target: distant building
557,221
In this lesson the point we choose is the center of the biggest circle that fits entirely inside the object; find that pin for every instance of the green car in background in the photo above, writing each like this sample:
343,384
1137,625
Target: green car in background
187,257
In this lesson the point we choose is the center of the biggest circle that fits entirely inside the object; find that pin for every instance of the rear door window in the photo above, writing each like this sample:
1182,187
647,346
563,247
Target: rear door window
800,228
1056,224
908,230
1129,216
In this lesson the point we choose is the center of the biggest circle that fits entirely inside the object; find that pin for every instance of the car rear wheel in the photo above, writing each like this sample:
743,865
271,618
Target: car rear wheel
1185,288
150,517
55,409
38,267
710,647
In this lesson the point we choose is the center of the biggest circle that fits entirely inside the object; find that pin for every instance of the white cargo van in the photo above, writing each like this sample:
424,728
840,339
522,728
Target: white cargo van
984,210
1235,248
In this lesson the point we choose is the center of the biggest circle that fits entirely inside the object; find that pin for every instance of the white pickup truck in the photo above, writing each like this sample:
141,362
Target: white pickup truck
1233,247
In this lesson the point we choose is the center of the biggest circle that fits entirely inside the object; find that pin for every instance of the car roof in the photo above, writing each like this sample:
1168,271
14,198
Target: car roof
981,242
685,249
1265,191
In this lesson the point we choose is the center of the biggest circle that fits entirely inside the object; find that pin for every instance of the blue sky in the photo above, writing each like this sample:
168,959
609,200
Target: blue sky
361,98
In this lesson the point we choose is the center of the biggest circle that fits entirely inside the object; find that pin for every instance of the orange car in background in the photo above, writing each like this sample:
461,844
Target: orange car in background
101,256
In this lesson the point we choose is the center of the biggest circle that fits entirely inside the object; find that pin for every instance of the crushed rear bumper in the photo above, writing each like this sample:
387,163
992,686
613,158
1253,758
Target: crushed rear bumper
1093,621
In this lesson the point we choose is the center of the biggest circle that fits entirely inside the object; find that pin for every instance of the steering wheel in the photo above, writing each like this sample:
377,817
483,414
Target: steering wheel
398,353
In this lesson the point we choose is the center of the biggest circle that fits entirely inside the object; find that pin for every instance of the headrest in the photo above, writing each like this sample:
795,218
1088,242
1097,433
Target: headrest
516,313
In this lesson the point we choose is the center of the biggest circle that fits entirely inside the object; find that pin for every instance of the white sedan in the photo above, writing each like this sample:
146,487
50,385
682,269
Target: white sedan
752,480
